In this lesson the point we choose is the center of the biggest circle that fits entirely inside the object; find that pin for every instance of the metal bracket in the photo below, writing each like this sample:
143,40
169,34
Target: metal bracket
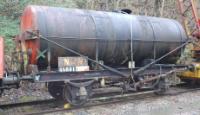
41,54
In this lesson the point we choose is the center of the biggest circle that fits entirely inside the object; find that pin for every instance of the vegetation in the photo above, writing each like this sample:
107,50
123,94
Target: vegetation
8,29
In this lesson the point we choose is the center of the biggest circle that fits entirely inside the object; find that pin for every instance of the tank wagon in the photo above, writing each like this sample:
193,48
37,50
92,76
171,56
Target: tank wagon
80,52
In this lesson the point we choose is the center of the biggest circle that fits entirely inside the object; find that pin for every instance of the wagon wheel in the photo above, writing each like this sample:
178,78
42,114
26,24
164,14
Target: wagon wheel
56,90
77,94
162,86
69,95
1,91
1,85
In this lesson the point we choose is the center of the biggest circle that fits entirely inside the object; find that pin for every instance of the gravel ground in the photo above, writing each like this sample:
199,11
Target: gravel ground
183,104
27,92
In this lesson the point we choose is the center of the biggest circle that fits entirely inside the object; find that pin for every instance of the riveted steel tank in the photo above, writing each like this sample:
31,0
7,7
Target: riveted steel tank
109,33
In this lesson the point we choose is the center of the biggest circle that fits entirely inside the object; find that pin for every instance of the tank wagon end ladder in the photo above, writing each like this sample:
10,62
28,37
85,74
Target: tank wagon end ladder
191,21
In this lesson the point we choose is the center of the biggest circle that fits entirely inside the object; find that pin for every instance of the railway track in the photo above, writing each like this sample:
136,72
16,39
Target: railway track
19,104
103,101
52,105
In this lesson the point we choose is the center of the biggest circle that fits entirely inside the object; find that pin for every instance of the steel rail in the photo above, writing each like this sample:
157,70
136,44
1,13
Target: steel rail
100,101
117,99
103,101
19,104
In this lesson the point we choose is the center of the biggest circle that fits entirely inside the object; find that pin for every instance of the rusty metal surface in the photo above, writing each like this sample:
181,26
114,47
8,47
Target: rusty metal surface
1,57
81,29
62,76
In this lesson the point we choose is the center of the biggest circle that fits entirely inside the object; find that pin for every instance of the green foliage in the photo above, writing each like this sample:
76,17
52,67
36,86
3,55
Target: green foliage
81,3
59,3
11,8
14,8
8,29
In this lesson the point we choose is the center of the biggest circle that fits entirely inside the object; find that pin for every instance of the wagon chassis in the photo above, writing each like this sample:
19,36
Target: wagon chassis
77,87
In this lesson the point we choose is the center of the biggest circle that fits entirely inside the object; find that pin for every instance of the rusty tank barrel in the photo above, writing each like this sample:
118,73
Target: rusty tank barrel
108,33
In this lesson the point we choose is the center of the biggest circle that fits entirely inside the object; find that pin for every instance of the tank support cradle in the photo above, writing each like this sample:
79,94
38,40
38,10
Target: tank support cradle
77,93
